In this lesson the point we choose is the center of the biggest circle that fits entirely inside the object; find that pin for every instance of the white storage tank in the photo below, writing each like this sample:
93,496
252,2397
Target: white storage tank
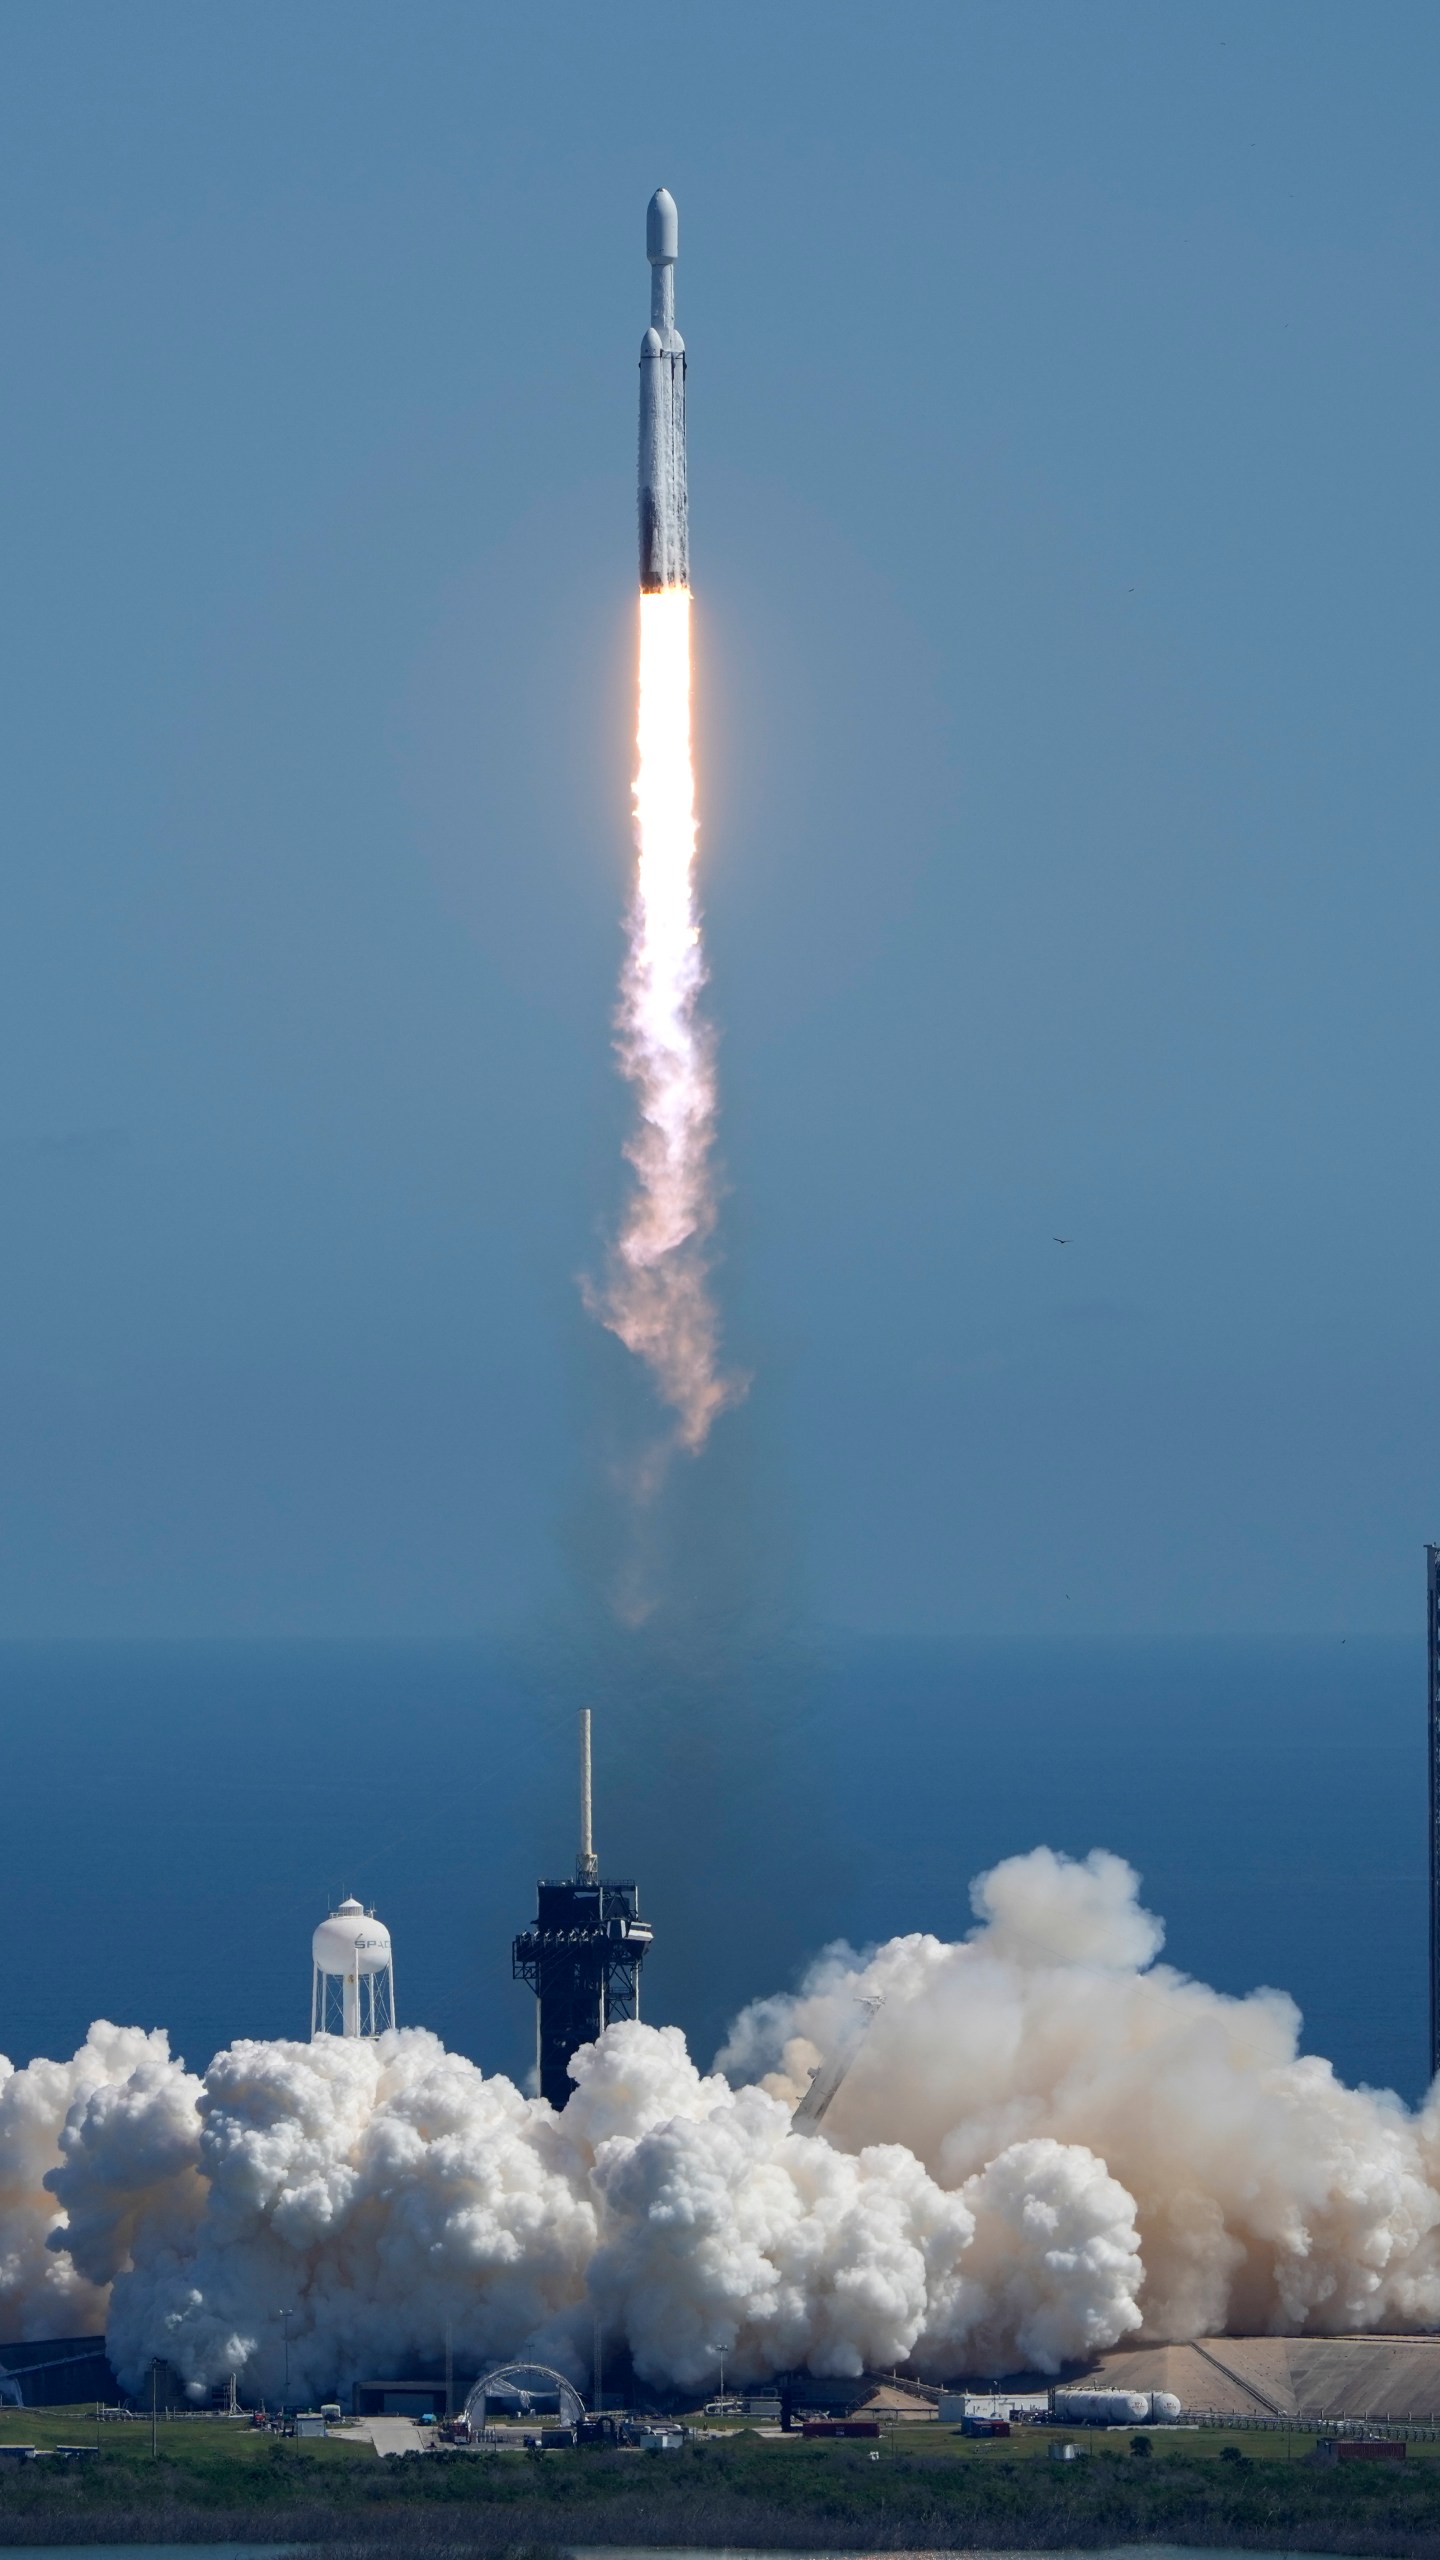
1102,2408
353,1989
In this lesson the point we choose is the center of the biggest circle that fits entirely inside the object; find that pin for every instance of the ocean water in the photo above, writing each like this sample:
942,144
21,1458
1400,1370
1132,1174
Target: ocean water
174,1819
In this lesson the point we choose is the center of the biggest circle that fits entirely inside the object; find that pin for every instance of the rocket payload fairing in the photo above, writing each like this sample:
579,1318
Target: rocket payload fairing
664,504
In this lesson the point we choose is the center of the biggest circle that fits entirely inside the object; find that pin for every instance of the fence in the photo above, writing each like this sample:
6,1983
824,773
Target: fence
1306,2422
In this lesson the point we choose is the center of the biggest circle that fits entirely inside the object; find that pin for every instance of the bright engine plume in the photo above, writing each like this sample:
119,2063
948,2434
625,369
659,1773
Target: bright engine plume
657,1295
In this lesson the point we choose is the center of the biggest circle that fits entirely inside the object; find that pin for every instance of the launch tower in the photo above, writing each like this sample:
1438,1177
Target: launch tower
1432,1650
1433,1760
583,1956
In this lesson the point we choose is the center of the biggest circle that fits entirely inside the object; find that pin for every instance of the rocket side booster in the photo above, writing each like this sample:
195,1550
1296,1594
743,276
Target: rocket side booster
664,502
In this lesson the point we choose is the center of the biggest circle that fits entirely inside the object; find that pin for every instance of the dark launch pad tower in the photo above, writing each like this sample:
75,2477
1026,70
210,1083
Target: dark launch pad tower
1432,1653
1433,1760
583,1956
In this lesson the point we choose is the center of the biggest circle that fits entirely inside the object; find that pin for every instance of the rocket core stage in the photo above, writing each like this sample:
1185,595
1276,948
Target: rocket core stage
664,505
656,1295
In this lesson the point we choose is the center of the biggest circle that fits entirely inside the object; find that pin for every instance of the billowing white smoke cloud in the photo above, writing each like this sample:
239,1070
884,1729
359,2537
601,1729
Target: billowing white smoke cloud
1044,2142
1055,2270
389,2192
722,2228
380,2191
1268,2197
42,2293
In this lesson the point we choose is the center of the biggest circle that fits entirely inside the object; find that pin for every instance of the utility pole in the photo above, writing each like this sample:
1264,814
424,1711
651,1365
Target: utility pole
154,2405
449,2371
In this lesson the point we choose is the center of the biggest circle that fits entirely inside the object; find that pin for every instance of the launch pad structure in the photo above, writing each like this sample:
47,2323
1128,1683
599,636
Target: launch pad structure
1432,1657
1433,1765
582,1956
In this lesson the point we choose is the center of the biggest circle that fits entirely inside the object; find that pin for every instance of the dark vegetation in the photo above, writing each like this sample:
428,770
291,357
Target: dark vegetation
209,2484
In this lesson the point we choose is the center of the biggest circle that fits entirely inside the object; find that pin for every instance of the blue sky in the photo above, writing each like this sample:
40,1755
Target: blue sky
1063,385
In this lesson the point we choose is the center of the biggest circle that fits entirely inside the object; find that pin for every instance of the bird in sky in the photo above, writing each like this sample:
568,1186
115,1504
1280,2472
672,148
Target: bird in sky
1059,1239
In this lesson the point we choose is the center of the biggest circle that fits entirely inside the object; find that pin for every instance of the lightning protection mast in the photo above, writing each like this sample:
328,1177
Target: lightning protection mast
1432,1656
582,1957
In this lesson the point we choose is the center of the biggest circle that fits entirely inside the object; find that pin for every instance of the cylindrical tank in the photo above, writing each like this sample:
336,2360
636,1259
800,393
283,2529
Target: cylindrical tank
1103,2408
1164,2407
351,1941
354,1973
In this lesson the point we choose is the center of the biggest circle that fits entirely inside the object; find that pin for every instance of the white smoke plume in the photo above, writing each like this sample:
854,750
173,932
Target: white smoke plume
1268,2197
1046,2143
381,2190
42,2292
657,1296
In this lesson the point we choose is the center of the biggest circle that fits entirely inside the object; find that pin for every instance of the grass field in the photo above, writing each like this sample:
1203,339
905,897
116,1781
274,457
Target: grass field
929,2490
216,2448
210,2448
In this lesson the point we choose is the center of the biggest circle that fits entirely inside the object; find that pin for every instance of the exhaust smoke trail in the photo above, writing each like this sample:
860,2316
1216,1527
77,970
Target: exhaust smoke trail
657,1299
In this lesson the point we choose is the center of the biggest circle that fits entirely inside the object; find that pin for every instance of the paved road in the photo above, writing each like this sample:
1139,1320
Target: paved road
395,2435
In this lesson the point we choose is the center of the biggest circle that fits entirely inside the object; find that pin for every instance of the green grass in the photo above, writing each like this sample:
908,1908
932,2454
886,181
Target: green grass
211,2448
1199,2444
931,2489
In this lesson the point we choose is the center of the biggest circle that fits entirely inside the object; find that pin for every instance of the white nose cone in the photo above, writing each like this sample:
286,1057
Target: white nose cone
662,229
351,1942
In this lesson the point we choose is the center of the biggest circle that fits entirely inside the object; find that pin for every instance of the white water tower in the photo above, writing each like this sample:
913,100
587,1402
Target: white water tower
354,1991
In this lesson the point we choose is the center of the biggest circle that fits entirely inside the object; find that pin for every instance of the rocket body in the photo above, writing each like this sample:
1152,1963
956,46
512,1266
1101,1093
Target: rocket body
664,502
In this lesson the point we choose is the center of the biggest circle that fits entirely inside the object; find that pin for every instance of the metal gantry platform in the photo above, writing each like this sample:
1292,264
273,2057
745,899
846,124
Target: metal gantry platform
1433,1765
583,1954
